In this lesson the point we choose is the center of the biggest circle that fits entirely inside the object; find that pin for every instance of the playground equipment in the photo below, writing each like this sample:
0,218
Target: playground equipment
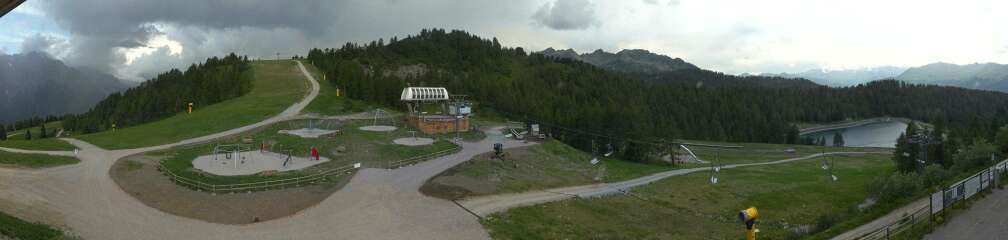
375,127
414,140
230,155
311,128
241,159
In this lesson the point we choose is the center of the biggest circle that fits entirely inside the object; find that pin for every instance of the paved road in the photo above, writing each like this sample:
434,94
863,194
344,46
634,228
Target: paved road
985,219
486,205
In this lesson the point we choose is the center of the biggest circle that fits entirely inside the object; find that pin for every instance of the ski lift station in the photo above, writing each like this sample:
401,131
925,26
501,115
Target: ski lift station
432,110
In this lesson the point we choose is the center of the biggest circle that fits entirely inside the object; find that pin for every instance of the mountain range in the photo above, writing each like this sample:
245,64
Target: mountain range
843,78
648,65
985,76
36,85
628,60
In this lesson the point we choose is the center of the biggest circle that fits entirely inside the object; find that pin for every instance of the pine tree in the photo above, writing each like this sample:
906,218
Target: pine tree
3,132
27,134
42,132
838,140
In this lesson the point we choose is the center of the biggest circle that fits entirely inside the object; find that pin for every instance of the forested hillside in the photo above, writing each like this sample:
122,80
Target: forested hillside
577,95
216,80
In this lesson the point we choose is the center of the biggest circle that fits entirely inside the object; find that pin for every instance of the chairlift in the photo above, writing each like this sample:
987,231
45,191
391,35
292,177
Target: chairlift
609,149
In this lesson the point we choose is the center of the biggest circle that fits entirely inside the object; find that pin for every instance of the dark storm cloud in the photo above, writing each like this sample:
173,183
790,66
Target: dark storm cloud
116,16
38,43
566,15
100,32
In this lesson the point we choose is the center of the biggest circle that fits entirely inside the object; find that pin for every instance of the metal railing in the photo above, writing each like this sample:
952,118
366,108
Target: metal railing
919,216
259,185
943,199
413,160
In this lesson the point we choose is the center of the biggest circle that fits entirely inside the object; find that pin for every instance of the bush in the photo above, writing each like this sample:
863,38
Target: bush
895,186
974,156
934,175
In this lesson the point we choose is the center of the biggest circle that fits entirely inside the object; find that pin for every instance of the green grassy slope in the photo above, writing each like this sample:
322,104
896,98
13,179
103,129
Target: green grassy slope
764,152
34,160
16,139
789,196
276,86
15,228
327,103
548,165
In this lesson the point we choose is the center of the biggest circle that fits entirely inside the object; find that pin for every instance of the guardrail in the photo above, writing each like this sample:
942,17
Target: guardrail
260,185
943,199
408,161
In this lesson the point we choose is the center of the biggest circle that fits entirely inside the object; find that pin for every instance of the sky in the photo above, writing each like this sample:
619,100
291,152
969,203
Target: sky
136,39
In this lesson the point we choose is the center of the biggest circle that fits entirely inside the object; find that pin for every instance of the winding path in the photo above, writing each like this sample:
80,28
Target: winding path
375,204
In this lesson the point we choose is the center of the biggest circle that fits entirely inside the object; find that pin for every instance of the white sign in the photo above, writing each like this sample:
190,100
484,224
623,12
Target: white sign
594,161
937,201
356,165
972,187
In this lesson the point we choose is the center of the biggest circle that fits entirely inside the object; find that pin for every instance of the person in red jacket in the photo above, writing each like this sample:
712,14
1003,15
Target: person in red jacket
314,153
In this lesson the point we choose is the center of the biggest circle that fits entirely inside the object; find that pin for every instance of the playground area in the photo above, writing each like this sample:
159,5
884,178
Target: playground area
272,153
235,160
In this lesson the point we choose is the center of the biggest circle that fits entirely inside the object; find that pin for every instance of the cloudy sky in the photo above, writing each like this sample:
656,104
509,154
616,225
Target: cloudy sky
134,39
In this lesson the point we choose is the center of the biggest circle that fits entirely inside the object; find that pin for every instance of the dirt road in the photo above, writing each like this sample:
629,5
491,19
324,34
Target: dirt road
375,204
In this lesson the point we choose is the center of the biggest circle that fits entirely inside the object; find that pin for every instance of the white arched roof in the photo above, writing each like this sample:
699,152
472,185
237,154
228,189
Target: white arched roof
424,94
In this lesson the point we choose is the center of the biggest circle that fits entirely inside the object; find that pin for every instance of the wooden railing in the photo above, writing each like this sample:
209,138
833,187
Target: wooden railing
413,160
259,185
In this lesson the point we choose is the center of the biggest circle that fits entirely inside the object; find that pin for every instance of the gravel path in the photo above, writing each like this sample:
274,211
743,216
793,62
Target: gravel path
486,205
881,222
985,219
375,204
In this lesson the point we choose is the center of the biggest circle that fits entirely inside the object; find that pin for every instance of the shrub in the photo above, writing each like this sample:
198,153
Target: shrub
895,186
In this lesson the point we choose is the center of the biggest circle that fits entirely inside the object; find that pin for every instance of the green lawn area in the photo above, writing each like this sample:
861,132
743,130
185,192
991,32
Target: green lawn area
765,152
16,139
276,86
15,228
548,165
371,149
789,196
34,160
327,103
46,144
